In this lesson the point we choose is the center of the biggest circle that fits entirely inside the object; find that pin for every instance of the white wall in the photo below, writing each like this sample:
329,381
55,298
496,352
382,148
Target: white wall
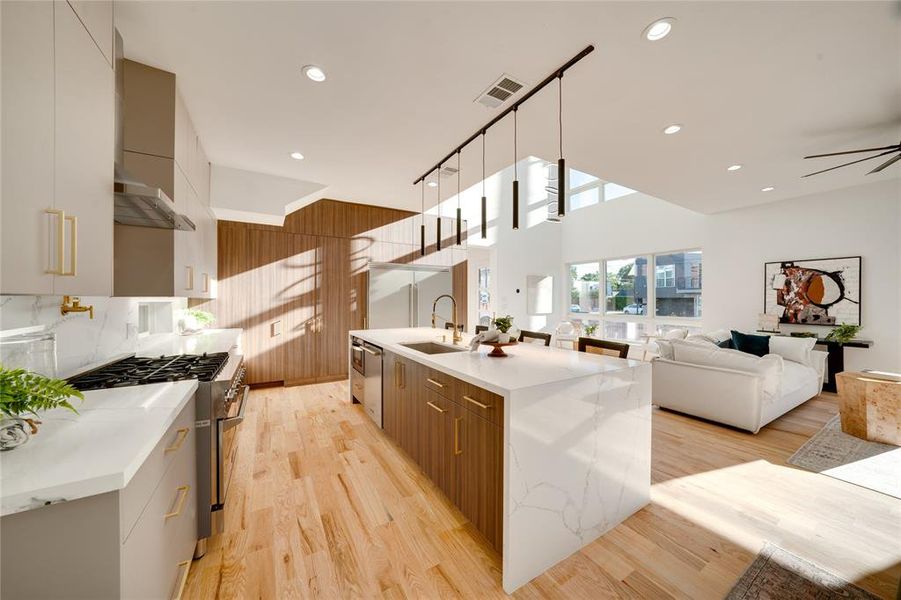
864,220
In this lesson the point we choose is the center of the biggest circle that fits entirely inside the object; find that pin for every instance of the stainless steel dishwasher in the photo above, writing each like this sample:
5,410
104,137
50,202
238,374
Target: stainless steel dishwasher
372,382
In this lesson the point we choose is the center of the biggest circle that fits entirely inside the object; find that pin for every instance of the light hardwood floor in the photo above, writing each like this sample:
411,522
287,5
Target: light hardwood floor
324,506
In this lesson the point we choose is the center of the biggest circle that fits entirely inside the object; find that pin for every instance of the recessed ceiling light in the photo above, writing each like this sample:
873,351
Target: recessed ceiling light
674,128
296,156
659,29
733,167
315,73
769,188
432,184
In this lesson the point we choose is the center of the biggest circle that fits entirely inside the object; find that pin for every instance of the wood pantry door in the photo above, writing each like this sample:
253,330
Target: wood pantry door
301,300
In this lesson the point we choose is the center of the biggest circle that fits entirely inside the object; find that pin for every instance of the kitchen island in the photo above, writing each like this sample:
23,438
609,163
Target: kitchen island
572,431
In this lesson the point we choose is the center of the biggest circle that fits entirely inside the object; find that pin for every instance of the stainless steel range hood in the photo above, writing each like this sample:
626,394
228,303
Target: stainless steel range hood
145,206
135,202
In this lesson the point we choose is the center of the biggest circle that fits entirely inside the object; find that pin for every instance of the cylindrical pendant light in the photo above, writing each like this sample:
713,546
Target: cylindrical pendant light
515,178
459,212
422,221
438,224
484,199
561,164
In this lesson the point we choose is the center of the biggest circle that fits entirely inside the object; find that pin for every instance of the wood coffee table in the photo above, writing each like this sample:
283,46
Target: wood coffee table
870,407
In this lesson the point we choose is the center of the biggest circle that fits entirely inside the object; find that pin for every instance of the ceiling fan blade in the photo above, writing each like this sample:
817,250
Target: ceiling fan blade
853,162
885,164
895,147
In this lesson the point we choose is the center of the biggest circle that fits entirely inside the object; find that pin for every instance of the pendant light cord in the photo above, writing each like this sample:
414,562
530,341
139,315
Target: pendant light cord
515,174
458,179
483,163
559,110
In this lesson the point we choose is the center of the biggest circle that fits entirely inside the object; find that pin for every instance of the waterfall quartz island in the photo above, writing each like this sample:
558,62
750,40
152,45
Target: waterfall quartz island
576,439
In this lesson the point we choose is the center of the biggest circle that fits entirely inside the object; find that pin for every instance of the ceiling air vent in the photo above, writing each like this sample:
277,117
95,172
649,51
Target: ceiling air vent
499,91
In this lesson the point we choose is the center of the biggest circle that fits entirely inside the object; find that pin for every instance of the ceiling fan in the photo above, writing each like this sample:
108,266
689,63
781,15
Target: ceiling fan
884,151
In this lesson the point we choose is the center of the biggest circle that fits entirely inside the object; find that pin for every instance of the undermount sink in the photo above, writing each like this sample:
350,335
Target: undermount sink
431,347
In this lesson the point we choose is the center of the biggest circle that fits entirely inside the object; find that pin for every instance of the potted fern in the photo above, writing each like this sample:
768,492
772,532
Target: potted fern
843,333
25,393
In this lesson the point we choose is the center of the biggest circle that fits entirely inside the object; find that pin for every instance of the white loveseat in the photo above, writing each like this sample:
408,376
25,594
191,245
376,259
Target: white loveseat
698,378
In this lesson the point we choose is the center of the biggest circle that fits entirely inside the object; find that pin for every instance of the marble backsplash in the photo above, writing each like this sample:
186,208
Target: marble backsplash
80,341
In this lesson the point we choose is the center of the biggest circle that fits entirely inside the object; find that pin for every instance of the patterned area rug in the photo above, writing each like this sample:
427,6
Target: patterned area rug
836,454
779,574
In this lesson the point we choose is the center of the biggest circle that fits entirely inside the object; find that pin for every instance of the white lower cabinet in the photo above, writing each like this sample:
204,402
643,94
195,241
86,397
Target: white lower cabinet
137,542
57,156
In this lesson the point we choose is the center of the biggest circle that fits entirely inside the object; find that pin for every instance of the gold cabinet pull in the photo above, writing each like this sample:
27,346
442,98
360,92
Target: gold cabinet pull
186,565
457,449
181,434
206,283
60,241
403,376
436,407
397,375
189,277
433,382
476,402
73,245
180,504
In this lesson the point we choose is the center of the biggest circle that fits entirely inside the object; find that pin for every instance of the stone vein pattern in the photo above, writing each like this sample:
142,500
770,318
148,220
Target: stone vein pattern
577,463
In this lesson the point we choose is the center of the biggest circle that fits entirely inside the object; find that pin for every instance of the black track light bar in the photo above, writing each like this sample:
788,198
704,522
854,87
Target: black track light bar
481,131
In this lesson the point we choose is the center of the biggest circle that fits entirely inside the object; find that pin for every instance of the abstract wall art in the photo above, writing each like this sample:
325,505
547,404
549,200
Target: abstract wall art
823,291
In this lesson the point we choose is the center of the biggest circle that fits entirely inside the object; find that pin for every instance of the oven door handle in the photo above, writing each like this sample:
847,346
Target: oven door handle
237,419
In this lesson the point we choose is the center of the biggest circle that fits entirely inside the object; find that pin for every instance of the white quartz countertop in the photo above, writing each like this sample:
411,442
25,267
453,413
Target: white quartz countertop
208,340
96,451
528,365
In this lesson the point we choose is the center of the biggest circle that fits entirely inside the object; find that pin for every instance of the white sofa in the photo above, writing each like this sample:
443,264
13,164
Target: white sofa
697,378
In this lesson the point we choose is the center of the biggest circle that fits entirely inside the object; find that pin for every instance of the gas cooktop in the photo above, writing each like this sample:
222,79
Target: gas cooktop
139,370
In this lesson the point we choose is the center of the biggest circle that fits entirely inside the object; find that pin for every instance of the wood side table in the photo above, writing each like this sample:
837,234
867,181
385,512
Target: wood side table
870,408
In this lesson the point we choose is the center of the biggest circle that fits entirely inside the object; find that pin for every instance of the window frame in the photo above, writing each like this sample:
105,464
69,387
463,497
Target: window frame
651,321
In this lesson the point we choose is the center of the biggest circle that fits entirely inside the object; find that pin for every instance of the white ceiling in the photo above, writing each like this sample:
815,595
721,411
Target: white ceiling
756,83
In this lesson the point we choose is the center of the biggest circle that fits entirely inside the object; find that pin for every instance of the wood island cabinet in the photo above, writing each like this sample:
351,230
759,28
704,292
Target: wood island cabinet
454,431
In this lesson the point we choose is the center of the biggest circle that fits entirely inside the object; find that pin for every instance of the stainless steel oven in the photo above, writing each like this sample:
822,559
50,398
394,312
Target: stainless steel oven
221,405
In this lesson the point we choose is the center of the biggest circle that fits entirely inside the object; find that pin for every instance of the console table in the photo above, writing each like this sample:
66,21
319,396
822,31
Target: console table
836,362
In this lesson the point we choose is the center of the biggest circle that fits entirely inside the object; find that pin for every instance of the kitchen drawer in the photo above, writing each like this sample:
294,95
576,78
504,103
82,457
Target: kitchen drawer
480,401
356,385
439,382
157,553
177,442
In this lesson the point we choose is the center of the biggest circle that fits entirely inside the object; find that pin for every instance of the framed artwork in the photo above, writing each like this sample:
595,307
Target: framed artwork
822,291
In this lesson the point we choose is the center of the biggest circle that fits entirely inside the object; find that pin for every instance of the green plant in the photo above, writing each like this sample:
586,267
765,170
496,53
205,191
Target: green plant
503,324
590,329
24,392
201,316
843,333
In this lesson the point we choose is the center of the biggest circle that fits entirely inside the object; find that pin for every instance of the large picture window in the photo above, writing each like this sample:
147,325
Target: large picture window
584,288
626,286
678,292
634,297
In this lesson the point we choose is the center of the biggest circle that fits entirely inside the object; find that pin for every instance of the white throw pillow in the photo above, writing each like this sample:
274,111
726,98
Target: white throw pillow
698,338
796,349
675,334
665,349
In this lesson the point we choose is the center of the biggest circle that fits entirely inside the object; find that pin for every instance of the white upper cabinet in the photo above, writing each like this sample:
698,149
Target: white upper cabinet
57,103
83,157
27,116
97,18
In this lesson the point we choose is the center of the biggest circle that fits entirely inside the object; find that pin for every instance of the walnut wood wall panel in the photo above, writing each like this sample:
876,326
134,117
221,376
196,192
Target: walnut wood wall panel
297,290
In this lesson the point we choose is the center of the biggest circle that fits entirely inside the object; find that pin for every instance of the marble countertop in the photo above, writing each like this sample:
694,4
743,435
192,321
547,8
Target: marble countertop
208,340
96,451
528,365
